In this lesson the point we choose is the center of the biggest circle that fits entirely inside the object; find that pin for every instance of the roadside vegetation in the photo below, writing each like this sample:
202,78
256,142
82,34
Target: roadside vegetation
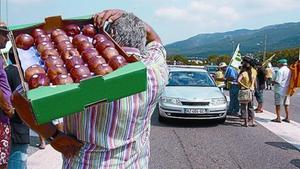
291,55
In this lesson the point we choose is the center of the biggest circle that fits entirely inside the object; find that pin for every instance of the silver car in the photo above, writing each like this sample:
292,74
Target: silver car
192,94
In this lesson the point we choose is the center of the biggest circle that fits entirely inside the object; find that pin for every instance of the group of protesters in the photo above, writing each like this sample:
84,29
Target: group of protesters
249,81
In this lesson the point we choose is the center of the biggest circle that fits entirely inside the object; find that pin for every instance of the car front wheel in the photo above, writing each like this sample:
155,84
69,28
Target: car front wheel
161,118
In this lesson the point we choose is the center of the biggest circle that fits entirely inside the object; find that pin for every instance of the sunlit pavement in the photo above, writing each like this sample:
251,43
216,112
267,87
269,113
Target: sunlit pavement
198,144
47,159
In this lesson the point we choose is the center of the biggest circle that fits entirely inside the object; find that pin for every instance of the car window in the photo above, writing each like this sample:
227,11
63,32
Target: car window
188,78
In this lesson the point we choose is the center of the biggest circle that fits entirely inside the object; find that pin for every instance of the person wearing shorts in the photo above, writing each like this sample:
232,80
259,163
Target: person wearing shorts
281,84
259,95
281,100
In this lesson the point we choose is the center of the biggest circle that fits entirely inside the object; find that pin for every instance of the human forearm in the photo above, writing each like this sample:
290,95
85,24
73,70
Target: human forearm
229,79
151,34
220,79
240,81
67,145
243,85
5,106
24,111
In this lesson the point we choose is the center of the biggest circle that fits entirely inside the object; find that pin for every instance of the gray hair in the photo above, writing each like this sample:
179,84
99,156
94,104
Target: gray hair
129,31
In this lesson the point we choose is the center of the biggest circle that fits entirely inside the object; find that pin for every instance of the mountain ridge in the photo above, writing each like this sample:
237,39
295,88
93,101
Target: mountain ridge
279,36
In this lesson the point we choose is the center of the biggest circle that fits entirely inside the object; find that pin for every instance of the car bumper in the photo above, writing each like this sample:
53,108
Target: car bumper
177,112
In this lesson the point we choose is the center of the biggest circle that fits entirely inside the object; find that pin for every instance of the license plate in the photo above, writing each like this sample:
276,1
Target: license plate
196,111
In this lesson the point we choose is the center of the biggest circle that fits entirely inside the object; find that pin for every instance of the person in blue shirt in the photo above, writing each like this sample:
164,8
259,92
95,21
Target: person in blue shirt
231,76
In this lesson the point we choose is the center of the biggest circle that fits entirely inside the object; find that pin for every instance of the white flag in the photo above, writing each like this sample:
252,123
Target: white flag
299,53
236,60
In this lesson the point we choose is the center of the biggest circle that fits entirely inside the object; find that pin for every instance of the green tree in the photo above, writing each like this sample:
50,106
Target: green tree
178,59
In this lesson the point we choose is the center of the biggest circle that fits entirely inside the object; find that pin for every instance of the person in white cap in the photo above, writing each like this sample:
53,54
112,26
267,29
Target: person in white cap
220,74
281,84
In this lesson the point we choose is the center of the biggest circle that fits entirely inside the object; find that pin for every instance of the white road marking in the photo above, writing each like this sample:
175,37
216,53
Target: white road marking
290,132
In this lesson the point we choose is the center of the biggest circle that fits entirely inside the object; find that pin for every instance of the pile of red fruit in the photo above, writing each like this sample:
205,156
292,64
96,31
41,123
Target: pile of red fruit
66,60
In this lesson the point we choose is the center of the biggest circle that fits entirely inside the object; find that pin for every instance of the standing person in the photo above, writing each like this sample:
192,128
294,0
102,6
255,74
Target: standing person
6,110
269,77
231,76
281,85
219,77
245,80
20,138
253,63
115,134
260,86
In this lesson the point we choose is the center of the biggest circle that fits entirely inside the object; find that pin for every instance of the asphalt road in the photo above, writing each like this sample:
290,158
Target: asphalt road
207,145
196,145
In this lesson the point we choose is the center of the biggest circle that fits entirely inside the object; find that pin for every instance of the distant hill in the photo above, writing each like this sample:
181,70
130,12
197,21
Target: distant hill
279,36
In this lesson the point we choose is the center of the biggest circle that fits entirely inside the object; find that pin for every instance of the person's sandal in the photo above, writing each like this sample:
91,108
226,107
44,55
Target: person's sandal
40,146
253,125
276,120
286,120
245,125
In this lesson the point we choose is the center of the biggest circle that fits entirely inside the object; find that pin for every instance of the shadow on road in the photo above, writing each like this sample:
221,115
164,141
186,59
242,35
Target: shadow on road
233,121
282,145
296,162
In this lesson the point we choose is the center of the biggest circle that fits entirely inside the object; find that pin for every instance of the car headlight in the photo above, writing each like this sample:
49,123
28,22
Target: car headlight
218,101
170,100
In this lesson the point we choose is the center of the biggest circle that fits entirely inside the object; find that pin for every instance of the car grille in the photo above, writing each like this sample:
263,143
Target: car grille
195,103
196,115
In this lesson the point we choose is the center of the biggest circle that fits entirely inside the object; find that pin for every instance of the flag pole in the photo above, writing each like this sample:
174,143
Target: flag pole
268,60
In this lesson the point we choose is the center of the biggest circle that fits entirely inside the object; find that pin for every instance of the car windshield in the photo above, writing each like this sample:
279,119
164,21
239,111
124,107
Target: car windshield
188,78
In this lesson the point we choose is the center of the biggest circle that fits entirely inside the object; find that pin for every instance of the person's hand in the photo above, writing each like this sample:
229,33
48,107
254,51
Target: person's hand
107,15
10,112
2,23
67,145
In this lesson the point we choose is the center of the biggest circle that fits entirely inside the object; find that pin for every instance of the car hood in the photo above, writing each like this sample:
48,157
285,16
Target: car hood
192,93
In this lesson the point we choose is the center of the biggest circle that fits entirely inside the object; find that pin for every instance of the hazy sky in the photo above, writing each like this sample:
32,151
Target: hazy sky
174,20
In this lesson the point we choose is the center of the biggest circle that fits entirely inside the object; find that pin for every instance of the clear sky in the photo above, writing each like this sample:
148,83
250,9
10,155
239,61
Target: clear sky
174,20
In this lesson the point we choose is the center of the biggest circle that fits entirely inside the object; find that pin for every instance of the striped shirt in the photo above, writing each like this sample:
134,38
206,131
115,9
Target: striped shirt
116,134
